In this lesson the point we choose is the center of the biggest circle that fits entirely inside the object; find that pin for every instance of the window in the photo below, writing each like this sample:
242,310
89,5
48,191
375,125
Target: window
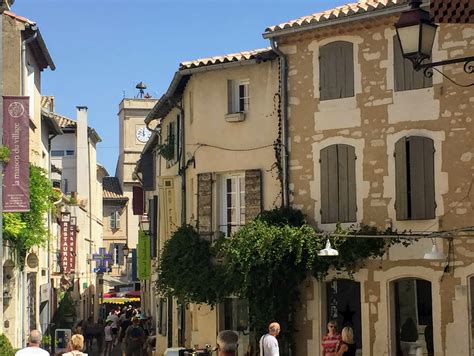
69,152
414,178
173,140
115,220
238,96
116,249
406,78
336,70
116,255
338,185
232,203
57,153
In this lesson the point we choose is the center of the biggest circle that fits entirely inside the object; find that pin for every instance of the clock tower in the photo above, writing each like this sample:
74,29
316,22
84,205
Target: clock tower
133,135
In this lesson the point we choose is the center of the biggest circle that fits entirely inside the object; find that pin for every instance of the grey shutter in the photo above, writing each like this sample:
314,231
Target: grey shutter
120,254
253,194
230,96
204,204
147,167
401,183
421,169
406,78
323,161
346,183
336,70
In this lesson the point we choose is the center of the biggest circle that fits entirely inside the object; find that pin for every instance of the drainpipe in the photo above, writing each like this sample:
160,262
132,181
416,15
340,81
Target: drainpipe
284,120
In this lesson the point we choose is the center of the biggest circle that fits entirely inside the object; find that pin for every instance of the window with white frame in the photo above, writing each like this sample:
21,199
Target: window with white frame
116,255
115,220
238,95
232,212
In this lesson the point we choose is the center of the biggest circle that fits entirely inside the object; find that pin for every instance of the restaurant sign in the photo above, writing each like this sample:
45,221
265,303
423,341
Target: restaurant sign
68,243
16,129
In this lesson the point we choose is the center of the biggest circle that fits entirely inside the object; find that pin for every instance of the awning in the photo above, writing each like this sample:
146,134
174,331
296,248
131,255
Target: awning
118,300
133,294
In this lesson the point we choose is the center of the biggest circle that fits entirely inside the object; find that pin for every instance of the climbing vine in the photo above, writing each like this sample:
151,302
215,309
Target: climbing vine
264,262
28,229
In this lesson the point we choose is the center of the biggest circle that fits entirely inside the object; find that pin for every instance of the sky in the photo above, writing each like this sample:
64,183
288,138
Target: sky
103,48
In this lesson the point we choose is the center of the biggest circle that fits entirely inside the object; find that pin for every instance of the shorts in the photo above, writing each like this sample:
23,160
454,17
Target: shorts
114,331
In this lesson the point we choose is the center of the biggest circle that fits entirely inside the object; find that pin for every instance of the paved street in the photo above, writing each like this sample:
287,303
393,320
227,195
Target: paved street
95,352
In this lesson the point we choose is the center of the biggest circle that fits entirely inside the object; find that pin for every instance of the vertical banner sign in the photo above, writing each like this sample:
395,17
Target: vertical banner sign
143,256
72,245
16,179
65,229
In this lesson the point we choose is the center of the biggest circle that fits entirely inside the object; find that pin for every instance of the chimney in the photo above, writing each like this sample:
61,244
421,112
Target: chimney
82,153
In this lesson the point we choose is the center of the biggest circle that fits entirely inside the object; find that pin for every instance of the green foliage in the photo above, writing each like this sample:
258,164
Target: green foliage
264,262
6,348
4,154
28,229
166,150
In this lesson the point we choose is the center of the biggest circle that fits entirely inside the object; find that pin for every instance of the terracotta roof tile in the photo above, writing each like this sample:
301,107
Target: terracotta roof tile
47,102
350,9
64,122
262,53
111,189
19,18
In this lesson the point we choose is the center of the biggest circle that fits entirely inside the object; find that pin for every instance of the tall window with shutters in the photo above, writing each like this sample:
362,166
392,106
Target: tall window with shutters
173,140
406,78
338,184
336,70
232,199
115,220
414,178
238,96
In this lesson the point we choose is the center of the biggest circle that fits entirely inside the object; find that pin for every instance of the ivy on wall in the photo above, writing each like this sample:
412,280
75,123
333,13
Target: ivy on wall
264,262
28,229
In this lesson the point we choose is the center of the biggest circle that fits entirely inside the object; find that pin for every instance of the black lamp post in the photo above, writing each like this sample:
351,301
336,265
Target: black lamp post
416,34
126,250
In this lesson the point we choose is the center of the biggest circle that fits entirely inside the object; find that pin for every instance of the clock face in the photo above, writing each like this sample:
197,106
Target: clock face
143,134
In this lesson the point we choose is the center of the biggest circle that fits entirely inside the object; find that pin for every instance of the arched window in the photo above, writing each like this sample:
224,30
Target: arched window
414,178
338,185
336,70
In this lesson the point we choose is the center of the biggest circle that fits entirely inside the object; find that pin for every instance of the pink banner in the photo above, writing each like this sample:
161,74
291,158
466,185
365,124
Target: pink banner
16,179
68,243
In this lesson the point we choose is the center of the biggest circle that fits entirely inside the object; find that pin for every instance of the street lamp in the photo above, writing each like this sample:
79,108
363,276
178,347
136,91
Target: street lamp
125,250
145,224
416,33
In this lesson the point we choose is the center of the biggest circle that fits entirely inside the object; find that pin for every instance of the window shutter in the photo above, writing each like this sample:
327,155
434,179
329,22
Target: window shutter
406,78
346,183
138,200
153,211
401,184
336,70
323,161
329,185
421,167
204,204
253,194
230,96
120,254
147,166
117,219
177,135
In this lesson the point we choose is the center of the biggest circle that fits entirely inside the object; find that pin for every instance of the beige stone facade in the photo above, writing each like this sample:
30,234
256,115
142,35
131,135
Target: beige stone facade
372,121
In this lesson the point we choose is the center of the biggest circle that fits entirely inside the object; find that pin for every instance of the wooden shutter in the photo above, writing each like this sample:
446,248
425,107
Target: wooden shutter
406,78
204,203
253,194
120,254
421,155
338,185
336,70
401,182
153,216
147,167
138,200
230,96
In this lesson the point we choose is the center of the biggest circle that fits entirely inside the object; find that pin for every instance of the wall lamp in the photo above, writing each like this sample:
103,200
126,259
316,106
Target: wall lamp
145,224
416,33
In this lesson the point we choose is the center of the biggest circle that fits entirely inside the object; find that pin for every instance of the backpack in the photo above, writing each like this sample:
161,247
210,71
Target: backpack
135,333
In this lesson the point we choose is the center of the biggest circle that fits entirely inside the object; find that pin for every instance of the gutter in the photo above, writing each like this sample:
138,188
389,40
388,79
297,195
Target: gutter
394,9
284,121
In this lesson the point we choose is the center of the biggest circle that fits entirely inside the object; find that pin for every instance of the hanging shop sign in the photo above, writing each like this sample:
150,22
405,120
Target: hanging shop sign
143,256
16,182
68,243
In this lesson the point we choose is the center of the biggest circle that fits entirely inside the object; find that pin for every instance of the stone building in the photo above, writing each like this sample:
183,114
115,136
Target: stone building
218,121
372,141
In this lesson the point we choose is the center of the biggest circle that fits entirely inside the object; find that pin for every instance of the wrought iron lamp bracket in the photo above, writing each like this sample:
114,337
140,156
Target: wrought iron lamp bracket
428,68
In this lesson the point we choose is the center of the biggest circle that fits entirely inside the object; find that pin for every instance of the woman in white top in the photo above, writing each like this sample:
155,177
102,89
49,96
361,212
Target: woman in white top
109,338
77,344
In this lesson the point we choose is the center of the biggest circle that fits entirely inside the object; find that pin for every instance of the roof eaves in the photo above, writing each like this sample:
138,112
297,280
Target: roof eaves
94,135
52,124
325,19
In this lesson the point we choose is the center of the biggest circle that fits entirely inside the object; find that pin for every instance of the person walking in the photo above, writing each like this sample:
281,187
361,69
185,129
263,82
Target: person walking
77,345
33,349
347,347
268,342
109,339
134,338
227,343
330,340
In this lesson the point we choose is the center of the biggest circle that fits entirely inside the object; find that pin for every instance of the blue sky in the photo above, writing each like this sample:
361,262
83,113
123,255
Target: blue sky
102,49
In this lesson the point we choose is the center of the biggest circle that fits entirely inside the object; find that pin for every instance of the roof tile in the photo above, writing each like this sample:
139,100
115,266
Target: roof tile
111,189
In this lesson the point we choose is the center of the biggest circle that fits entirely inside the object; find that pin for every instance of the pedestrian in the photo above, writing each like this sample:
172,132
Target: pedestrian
33,349
134,338
268,342
77,345
347,346
109,339
123,327
330,340
227,343
88,332
114,318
